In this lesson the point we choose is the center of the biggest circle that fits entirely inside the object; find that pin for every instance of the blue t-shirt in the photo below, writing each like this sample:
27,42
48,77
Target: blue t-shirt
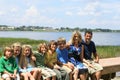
89,49
62,55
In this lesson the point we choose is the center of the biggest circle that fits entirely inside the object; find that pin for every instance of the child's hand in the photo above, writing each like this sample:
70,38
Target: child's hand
70,65
15,75
12,76
33,58
56,67
96,60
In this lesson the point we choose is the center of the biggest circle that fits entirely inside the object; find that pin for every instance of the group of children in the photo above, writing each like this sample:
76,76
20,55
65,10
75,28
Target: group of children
57,60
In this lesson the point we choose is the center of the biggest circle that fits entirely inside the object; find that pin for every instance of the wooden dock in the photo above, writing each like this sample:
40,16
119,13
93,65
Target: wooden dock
110,67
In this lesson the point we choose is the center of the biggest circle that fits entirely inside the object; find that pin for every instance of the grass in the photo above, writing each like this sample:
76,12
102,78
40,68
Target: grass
103,51
9,41
108,51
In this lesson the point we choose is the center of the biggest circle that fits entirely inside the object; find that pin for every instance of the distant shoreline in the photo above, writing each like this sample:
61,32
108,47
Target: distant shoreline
49,29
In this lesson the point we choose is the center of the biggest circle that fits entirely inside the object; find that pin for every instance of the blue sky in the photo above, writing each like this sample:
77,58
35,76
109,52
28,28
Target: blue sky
92,14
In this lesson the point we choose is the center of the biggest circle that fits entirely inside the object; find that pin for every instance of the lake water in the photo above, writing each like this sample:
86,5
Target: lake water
100,38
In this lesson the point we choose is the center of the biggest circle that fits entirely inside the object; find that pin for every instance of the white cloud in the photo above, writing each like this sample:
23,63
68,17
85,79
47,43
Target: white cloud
32,12
14,9
90,9
104,22
93,22
2,13
68,13
33,16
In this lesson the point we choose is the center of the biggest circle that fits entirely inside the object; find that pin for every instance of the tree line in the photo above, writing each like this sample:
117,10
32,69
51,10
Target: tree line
45,28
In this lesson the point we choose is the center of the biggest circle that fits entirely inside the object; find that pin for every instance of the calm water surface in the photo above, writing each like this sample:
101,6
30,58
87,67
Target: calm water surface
100,38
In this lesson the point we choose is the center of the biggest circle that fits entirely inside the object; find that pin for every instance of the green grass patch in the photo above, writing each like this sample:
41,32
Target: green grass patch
9,41
103,51
108,51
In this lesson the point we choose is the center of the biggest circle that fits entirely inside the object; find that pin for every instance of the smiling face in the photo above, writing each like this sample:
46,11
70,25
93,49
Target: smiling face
43,49
76,39
88,37
53,47
61,45
17,51
27,51
8,52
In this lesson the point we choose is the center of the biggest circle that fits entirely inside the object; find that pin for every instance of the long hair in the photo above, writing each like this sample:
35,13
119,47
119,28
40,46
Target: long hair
52,42
79,36
23,60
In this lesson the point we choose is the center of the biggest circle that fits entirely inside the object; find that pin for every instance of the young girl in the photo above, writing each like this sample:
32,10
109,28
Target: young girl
27,64
52,62
17,50
40,57
8,65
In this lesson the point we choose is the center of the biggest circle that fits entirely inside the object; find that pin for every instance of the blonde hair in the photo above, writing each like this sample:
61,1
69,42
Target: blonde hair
7,48
40,45
17,44
61,40
79,36
23,60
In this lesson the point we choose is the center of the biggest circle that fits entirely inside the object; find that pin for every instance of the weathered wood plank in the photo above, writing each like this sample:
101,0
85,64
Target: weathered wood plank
110,65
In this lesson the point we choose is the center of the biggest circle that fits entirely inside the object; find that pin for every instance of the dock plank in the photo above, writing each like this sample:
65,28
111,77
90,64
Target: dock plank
110,65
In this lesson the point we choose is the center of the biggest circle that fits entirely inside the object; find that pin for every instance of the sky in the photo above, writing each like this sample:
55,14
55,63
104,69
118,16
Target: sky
92,14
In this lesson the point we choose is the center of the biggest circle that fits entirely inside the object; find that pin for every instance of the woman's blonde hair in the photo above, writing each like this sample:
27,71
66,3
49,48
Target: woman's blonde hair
79,36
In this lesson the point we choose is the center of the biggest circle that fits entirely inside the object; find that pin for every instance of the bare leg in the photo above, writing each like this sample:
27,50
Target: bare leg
30,76
75,74
39,75
83,76
24,75
53,77
35,73
98,75
93,77
70,74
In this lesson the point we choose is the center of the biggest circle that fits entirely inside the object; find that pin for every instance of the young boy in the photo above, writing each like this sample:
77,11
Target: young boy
8,65
62,56
40,55
93,65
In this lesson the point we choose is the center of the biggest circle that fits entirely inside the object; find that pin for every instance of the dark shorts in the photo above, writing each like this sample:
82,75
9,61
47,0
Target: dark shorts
82,71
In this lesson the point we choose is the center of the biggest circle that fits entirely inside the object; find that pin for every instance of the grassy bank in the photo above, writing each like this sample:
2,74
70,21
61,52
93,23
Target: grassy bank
8,41
103,51
108,51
